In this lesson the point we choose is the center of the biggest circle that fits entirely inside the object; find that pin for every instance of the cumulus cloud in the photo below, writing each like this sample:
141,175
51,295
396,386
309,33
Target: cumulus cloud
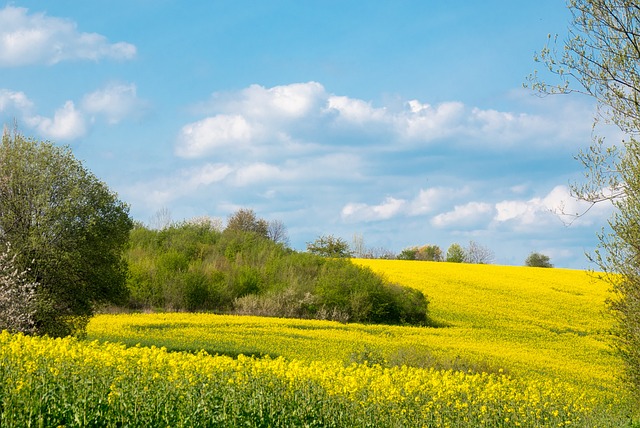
363,212
39,39
206,136
67,123
12,101
558,204
260,172
355,111
470,215
427,200
115,102
307,112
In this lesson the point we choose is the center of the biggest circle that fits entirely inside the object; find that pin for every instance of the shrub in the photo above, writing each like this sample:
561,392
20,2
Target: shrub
17,296
538,260
243,272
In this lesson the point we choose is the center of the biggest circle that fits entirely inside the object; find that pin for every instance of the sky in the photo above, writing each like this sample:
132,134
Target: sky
404,123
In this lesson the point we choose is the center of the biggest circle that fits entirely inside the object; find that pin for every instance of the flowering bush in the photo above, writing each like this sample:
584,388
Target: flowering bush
17,296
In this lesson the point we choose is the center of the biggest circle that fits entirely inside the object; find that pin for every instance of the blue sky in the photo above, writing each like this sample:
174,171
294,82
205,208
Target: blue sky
404,122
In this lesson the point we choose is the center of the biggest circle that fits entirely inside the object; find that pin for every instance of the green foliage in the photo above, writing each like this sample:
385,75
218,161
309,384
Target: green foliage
67,230
538,260
408,254
245,220
431,253
600,58
185,268
455,254
329,246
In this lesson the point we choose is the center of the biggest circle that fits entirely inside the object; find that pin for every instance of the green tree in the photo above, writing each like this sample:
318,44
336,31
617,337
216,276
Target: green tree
455,254
431,253
329,246
67,230
246,220
601,58
408,253
538,260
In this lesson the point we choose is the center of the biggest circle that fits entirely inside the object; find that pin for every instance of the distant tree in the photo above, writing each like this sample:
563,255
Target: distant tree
329,246
379,253
245,220
277,232
431,253
18,302
538,260
476,253
357,246
455,254
211,223
68,232
161,219
408,254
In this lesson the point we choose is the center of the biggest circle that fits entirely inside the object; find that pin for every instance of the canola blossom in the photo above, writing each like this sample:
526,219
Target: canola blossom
517,347
528,322
67,382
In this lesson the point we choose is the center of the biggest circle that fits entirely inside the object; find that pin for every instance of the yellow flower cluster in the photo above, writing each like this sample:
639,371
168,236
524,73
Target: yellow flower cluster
517,347
71,382
530,322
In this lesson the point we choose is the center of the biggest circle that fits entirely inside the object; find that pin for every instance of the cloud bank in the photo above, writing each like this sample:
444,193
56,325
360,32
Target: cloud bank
27,39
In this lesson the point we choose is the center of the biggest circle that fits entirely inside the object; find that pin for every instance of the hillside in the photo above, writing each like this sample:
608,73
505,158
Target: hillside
514,347
524,321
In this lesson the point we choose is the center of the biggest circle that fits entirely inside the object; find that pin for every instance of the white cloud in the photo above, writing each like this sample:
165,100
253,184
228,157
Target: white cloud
205,136
115,102
259,173
11,100
430,199
425,123
39,39
472,214
203,176
558,204
427,200
355,111
363,212
67,124
306,115
288,101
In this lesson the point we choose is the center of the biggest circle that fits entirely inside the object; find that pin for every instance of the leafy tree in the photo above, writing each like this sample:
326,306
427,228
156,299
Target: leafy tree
455,254
431,253
329,246
538,260
17,296
477,253
67,230
601,58
245,220
408,254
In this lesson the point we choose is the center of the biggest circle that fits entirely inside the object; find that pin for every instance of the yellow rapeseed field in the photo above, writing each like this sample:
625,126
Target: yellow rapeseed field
517,347
529,321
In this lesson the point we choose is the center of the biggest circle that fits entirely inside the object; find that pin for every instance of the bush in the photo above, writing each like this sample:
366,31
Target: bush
17,297
243,272
538,260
